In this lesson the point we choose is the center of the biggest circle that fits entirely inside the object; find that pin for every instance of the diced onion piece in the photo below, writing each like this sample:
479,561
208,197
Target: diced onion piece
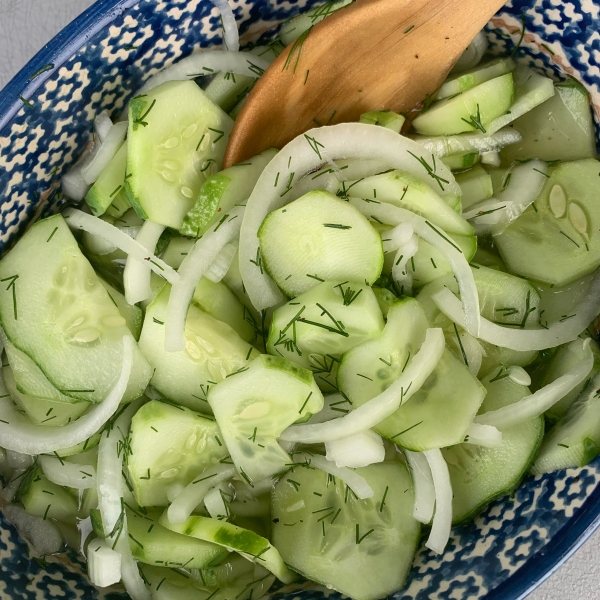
527,339
17,433
62,472
219,267
192,269
42,534
136,276
484,435
424,490
104,564
443,146
538,403
382,406
472,56
102,125
215,503
491,157
354,481
307,153
359,450
442,518
193,494
400,272
231,36
394,215
80,220
105,153
208,63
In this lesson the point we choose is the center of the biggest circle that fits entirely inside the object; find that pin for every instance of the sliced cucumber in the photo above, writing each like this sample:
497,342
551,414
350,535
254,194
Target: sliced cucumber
440,413
384,118
177,137
482,104
562,362
226,89
255,405
130,312
249,544
559,302
221,192
316,328
490,259
531,89
213,351
385,298
406,191
40,410
575,439
362,548
561,128
316,238
461,160
109,188
42,498
55,310
495,356
480,475
476,186
177,249
170,445
461,82
559,243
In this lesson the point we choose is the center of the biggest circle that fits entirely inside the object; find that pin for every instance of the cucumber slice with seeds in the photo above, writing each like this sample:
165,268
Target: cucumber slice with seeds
318,238
177,137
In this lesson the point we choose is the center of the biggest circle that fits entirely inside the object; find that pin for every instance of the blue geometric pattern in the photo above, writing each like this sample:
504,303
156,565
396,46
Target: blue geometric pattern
99,61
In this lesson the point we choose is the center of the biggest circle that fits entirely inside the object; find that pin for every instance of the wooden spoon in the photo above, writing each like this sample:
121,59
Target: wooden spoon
370,55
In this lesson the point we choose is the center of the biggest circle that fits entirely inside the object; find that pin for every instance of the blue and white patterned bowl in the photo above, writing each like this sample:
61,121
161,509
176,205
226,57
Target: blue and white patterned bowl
95,64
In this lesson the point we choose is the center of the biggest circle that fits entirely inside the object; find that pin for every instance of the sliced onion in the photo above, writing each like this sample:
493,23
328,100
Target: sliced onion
105,153
102,125
442,519
374,411
231,37
359,450
483,435
400,272
208,63
354,481
136,276
219,267
525,184
394,215
472,56
192,269
424,490
307,153
527,339
68,474
73,185
42,534
193,494
443,146
334,407
537,404
80,220
215,504
18,433
104,564
486,212
491,157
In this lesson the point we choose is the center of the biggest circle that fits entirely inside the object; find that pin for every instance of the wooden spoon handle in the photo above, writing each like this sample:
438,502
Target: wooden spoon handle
370,55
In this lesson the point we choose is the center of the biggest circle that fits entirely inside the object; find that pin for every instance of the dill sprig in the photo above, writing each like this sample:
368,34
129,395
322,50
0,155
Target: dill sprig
431,169
295,52
475,121
140,120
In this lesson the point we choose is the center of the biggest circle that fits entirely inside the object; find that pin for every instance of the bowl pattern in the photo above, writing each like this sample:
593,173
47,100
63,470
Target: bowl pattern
96,64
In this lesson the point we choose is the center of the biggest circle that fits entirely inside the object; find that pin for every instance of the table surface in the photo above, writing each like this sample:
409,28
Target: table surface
26,25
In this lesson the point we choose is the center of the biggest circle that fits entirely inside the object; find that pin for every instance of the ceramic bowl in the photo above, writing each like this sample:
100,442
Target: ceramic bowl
95,64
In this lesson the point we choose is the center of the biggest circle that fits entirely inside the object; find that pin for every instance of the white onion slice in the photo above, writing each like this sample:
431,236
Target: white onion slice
193,494
489,212
472,56
208,63
424,490
527,339
491,157
400,272
374,411
484,435
231,37
305,154
136,276
105,153
192,269
219,267
354,481
68,474
443,146
538,403
73,185
43,535
104,564
17,433
334,407
102,125
215,504
359,450
442,519
80,220
393,215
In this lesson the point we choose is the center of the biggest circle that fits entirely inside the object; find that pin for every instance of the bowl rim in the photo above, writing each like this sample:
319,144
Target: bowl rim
69,40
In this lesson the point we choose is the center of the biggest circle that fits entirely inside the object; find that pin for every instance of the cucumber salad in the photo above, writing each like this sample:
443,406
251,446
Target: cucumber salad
219,382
